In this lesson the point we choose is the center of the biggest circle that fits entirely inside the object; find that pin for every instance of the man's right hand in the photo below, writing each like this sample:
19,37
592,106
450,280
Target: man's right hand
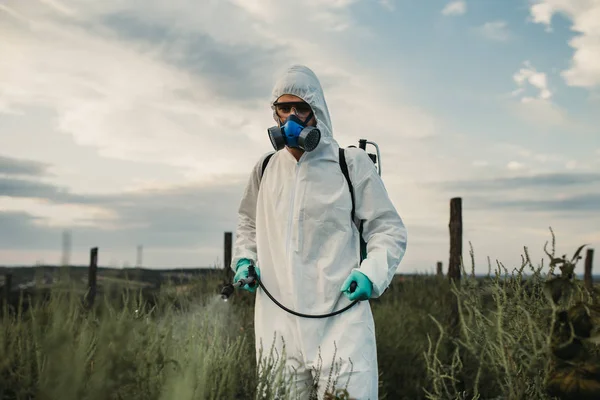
242,271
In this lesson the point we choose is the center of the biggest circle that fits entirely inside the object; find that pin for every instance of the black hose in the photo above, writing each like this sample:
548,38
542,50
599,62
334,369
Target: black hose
228,290
331,314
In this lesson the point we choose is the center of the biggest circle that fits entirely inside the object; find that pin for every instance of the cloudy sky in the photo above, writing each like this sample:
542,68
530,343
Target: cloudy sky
137,122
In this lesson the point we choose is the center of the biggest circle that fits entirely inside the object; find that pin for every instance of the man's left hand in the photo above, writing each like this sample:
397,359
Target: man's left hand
364,287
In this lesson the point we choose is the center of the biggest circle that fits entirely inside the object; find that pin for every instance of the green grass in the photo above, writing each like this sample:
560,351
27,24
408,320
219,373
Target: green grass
511,342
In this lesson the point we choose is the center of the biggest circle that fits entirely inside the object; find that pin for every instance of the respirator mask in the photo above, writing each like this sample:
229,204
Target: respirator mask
294,132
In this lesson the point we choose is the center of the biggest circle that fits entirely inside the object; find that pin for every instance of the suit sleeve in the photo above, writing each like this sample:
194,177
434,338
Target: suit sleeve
245,235
383,228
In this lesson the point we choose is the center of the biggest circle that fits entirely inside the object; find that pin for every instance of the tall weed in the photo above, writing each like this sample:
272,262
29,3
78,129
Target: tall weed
512,336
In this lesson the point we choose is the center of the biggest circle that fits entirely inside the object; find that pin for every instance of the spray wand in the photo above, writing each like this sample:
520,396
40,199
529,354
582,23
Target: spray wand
253,279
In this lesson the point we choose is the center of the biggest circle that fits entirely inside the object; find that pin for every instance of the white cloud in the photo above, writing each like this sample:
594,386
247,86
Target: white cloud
529,75
546,160
495,30
515,166
571,164
153,110
585,18
62,215
458,7
540,112
538,108
136,113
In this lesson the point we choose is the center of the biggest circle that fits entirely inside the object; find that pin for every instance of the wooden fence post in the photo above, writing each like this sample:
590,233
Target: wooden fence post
587,277
228,248
140,252
92,275
455,227
440,272
454,274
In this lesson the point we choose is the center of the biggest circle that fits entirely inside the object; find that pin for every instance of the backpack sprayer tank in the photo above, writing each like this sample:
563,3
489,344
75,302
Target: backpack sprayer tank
362,144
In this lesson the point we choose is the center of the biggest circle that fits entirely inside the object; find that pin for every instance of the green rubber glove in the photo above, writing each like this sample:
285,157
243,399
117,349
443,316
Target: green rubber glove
364,287
241,272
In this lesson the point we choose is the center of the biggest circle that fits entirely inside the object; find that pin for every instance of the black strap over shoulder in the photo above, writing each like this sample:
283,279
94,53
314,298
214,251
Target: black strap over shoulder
347,175
265,162
363,244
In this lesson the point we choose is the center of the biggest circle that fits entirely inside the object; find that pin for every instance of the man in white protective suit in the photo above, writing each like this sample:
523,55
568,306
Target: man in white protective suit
295,226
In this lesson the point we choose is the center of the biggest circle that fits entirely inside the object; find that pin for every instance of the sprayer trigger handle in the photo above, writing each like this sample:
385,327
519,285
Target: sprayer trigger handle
353,286
252,274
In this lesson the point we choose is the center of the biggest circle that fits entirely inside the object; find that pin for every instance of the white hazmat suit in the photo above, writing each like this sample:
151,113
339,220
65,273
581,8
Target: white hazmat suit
296,226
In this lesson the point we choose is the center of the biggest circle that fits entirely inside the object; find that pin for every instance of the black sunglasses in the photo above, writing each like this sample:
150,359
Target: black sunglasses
286,107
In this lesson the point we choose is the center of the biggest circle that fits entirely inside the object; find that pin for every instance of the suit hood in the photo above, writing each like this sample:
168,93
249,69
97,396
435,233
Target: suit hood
301,81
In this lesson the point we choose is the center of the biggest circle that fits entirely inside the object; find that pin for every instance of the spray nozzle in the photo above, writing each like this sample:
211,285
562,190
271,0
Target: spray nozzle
227,291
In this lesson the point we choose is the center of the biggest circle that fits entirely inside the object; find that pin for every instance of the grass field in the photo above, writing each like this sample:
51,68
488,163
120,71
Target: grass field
511,341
